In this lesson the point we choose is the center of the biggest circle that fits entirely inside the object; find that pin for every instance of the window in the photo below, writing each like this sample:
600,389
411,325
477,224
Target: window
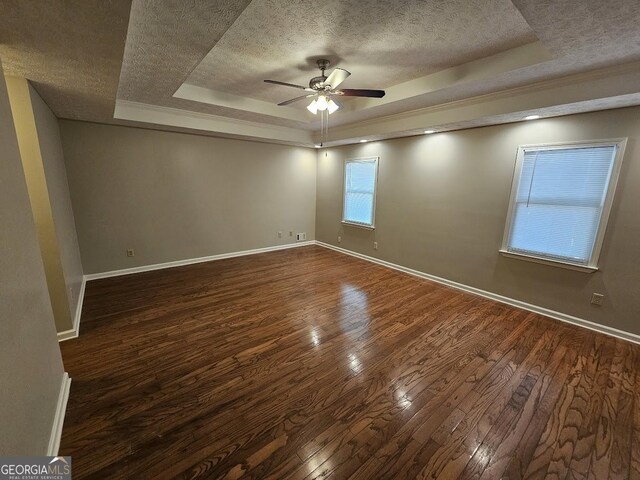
360,191
560,202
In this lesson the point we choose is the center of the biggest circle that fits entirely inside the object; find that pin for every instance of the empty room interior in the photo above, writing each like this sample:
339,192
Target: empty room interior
347,239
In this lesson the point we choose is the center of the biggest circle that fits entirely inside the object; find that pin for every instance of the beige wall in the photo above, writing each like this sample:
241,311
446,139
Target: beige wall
173,196
41,204
58,189
442,204
30,364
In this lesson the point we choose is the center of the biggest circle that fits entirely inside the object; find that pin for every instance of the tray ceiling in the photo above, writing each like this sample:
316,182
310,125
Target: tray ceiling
381,42
194,65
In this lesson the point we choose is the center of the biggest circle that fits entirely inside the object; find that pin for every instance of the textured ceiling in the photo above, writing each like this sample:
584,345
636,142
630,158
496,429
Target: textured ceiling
582,35
70,50
592,30
280,39
167,39
381,42
74,50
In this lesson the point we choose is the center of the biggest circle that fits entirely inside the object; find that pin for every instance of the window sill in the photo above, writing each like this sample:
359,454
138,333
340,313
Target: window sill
359,225
546,261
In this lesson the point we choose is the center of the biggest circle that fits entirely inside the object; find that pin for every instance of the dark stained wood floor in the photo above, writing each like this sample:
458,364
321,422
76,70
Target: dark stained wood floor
307,363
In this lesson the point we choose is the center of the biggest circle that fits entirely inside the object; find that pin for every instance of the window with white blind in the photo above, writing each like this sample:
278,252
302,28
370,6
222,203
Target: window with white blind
560,202
359,205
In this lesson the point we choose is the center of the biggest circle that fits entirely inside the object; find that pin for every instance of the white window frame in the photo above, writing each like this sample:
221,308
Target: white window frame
375,192
592,265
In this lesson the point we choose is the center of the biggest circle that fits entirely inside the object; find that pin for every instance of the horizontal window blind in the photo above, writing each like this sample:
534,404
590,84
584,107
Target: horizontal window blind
559,202
359,191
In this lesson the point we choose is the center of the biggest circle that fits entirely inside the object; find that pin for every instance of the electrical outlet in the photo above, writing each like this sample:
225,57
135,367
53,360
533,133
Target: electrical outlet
339,239
375,245
300,237
279,234
597,299
130,252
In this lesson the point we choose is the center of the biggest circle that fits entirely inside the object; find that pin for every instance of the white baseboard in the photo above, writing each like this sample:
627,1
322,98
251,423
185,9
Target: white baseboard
191,261
75,331
58,420
563,317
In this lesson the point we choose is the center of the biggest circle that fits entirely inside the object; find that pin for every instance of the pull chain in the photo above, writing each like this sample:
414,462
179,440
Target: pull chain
533,173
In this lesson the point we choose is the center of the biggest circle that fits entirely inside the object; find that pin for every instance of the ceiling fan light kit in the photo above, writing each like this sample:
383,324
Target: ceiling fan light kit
321,89
322,103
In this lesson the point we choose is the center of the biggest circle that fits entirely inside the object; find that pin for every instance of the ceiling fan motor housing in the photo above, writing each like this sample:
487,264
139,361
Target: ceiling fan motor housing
317,83
322,87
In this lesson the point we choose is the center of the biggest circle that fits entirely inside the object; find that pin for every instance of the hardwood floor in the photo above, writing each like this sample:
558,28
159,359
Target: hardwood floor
306,363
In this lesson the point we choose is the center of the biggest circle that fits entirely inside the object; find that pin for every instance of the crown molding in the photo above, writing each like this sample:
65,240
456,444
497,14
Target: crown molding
174,117
574,92
195,93
476,70
600,89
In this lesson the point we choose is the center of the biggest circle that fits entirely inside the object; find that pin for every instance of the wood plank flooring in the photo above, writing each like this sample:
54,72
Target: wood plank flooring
306,363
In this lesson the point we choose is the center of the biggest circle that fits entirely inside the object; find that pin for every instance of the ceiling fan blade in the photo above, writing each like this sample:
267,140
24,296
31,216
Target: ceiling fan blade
287,102
276,82
336,77
358,92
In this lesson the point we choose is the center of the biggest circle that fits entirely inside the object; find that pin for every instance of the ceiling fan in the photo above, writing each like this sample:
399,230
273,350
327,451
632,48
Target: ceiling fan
322,88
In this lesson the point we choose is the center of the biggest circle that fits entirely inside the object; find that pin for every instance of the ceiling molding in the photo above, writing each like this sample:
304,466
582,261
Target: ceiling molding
222,126
605,73
461,64
604,88
488,67
206,95
484,68
597,90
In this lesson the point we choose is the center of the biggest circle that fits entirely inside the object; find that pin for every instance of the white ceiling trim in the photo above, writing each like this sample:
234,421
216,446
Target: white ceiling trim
603,87
568,80
223,126
488,67
606,88
212,97
482,69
